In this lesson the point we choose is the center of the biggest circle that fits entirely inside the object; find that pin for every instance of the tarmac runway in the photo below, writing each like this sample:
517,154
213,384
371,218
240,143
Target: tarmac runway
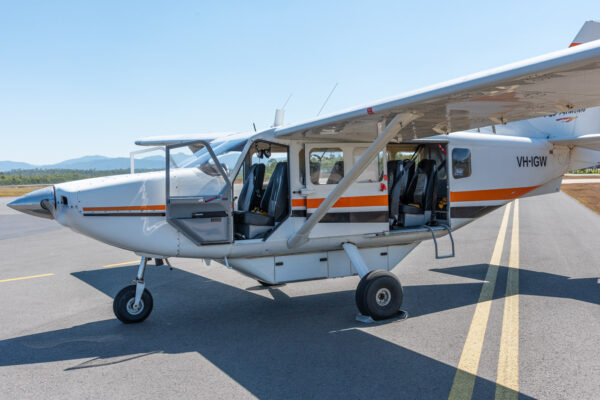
527,328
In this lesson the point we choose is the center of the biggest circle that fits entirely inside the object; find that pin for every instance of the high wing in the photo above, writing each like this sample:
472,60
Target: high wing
178,139
591,141
556,82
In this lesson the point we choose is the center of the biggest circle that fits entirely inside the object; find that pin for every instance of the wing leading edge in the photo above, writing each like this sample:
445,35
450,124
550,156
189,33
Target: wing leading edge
556,82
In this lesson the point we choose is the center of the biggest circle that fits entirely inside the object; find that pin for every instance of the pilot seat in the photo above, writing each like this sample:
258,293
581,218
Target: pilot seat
273,207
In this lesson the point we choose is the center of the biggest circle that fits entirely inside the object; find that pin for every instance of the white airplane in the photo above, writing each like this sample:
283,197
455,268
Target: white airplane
349,193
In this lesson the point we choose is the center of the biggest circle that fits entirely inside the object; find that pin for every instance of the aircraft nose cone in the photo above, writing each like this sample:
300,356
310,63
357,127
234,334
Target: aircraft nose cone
40,203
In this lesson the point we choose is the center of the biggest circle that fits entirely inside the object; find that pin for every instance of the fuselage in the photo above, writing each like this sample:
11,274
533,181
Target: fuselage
128,211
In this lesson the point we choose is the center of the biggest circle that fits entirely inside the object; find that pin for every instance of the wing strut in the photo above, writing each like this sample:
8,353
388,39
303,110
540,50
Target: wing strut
391,130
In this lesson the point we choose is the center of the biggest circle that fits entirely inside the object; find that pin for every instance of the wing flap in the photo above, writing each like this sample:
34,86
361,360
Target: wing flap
560,81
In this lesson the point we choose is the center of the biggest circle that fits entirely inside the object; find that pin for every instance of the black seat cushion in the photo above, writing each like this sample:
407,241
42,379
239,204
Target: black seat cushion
422,187
275,201
392,167
400,172
407,209
253,218
249,197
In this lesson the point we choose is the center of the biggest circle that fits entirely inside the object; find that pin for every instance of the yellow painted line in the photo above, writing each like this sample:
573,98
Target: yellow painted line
121,264
464,379
25,277
507,381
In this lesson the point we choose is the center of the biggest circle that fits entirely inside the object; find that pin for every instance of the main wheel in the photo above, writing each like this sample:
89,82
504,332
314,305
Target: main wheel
379,295
123,305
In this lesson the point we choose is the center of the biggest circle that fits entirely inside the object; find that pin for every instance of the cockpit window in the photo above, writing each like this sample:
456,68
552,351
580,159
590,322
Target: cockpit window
461,163
227,153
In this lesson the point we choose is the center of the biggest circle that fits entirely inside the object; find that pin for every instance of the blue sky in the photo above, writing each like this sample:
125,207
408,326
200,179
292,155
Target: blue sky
82,77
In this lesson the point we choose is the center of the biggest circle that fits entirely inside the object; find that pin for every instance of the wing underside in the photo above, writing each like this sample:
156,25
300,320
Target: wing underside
561,81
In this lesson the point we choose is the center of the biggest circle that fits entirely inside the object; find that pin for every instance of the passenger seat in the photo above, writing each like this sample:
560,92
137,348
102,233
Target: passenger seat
337,173
418,203
400,173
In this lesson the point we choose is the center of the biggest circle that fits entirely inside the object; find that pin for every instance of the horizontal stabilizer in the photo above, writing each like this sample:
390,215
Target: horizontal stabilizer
591,142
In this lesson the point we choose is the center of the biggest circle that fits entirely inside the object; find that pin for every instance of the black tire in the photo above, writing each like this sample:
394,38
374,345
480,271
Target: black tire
358,294
266,284
123,302
379,295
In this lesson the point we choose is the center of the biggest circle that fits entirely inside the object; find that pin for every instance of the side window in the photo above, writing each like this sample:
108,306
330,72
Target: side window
461,163
326,166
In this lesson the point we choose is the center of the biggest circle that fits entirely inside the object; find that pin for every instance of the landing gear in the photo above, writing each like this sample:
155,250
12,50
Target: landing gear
134,303
124,305
379,295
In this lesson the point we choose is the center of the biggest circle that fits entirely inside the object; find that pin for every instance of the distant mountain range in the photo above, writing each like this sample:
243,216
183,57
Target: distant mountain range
99,163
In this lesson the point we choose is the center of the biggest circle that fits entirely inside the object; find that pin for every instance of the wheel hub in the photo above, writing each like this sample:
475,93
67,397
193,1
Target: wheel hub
383,297
131,309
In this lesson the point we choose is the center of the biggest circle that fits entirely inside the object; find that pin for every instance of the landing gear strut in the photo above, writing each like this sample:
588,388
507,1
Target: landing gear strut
379,293
134,303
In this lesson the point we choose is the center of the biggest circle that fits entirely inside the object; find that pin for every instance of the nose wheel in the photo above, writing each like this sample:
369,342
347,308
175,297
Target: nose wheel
125,308
134,302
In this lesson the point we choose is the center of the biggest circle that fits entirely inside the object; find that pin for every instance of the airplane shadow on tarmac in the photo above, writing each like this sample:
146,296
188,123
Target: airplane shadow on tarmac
301,347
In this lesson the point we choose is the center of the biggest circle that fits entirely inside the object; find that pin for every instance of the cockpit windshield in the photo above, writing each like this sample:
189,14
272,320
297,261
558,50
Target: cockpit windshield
228,153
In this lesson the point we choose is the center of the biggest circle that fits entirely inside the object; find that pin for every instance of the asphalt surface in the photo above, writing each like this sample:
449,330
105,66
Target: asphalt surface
217,334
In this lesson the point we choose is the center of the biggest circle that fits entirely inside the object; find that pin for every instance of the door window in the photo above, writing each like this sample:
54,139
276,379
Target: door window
326,166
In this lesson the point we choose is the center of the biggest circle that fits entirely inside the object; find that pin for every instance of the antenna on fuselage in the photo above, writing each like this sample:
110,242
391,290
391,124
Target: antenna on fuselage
280,113
327,99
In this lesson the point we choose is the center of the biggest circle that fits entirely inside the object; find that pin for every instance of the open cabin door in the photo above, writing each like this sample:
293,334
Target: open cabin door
362,209
199,198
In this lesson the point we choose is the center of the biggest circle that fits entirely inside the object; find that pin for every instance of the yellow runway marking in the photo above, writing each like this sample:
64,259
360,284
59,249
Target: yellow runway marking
121,264
25,277
464,380
507,381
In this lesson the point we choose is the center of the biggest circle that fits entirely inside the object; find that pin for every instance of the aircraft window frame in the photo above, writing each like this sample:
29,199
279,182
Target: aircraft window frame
461,163
202,160
323,151
373,171
302,166
251,149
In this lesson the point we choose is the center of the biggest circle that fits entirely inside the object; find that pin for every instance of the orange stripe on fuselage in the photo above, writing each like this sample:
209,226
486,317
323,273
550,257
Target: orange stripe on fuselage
358,201
364,201
126,208
491,194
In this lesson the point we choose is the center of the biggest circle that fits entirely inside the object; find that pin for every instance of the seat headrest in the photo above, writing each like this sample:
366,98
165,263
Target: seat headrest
427,165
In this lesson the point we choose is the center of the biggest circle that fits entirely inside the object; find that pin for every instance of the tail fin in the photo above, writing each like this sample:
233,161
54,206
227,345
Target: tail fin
589,31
